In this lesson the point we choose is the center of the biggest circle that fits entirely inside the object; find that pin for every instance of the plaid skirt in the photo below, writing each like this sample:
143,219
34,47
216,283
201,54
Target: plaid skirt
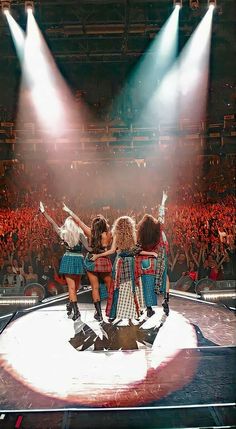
72,263
126,304
148,284
101,265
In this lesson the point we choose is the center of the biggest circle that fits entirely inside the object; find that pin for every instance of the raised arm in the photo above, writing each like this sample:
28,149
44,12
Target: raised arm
54,224
84,241
186,254
161,212
194,258
82,225
222,260
174,261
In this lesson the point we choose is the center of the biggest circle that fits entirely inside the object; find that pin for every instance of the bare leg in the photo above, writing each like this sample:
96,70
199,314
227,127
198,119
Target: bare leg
107,278
77,282
71,283
72,306
94,281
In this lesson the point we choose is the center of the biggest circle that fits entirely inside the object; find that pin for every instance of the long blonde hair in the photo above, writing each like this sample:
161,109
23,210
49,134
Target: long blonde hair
70,232
124,233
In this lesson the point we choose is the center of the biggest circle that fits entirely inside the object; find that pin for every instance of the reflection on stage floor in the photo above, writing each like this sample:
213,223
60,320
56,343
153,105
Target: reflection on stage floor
55,363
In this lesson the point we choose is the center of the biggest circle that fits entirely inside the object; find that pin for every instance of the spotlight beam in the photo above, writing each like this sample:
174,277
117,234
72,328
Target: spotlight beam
152,66
183,91
18,35
44,96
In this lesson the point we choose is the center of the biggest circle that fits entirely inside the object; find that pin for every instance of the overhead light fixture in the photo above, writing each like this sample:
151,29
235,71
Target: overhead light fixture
6,6
178,3
212,3
29,6
194,4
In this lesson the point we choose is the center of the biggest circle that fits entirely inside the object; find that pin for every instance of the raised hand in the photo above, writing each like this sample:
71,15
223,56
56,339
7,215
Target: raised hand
164,197
41,207
65,208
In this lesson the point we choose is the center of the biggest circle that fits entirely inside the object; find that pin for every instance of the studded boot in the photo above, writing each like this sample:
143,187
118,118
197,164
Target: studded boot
69,308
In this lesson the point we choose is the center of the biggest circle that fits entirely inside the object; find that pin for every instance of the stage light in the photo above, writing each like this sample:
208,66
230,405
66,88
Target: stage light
212,3
178,3
29,6
6,6
194,4
18,35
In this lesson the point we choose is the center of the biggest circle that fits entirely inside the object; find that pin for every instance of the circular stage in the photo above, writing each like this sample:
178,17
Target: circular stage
55,363
91,364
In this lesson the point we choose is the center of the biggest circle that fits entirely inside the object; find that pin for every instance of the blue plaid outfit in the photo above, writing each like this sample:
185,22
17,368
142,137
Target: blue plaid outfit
154,273
72,261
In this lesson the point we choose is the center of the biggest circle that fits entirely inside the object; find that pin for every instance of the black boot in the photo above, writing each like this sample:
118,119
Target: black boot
98,313
150,312
165,304
75,308
69,308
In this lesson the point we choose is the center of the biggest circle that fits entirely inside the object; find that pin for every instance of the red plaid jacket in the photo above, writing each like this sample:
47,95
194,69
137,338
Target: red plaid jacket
123,270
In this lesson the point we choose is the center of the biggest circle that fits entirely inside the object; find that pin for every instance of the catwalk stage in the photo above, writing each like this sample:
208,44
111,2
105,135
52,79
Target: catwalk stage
185,361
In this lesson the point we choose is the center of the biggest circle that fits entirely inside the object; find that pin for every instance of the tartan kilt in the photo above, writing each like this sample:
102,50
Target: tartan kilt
128,304
101,265
112,313
148,286
72,263
147,264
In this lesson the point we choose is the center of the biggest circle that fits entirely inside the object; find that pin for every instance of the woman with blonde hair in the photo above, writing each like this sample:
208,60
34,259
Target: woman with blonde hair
128,297
72,262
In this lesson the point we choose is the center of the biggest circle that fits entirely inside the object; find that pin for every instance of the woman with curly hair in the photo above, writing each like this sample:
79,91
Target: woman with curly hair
154,270
72,263
98,271
128,297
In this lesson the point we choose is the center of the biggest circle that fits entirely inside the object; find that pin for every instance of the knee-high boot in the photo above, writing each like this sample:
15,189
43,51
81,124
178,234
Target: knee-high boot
98,313
75,309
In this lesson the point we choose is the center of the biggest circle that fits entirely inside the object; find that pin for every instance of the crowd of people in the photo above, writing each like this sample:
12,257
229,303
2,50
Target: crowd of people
203,235
199,220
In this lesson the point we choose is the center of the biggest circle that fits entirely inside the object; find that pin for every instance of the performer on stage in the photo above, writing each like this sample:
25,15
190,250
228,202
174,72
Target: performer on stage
99,236
128,297
72,263
154,270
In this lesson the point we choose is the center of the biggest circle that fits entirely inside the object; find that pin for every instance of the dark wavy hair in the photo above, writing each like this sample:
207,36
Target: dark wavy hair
98,226
148,231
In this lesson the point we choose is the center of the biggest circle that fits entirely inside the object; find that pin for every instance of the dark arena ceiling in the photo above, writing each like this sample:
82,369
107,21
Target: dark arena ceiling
108,36
114,30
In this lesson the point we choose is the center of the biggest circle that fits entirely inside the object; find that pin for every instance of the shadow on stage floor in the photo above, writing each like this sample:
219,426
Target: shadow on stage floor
158,372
